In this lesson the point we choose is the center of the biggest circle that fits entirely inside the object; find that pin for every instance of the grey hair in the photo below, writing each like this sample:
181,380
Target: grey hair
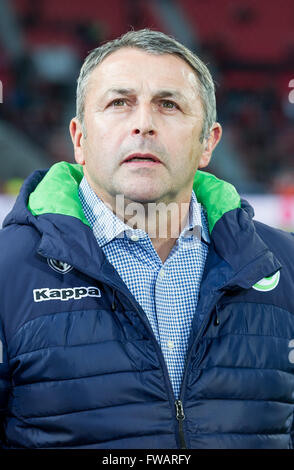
154,42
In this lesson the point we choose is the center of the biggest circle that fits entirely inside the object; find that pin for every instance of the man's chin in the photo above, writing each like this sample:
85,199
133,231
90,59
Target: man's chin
142,192
141,198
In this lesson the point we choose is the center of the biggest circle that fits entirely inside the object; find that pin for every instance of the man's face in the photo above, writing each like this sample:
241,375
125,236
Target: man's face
143,119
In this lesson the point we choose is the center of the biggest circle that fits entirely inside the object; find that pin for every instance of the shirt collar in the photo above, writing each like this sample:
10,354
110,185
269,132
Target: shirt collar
197,221
106,225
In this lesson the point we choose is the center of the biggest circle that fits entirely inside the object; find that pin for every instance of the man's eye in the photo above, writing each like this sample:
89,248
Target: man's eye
169,105
118,103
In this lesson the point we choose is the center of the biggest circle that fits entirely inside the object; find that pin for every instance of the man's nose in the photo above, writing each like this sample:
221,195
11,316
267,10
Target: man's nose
143,122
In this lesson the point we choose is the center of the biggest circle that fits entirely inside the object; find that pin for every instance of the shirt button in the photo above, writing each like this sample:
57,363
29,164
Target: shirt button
134,238
161,273
170,344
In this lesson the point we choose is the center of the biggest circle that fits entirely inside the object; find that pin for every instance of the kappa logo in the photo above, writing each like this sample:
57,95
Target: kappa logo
76,293
59,266
267,283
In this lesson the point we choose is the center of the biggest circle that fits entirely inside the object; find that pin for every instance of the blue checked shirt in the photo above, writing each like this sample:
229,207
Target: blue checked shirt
168,292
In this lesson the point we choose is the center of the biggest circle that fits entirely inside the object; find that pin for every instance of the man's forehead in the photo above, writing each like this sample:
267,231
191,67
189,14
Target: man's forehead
128,64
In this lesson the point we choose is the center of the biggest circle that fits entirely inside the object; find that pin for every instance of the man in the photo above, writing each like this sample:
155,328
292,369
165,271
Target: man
141,306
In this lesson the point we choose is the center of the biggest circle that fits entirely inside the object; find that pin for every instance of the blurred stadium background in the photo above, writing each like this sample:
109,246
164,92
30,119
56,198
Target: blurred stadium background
247,44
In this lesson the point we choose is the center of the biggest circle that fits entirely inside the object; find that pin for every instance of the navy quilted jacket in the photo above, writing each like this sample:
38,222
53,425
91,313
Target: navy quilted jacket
80,366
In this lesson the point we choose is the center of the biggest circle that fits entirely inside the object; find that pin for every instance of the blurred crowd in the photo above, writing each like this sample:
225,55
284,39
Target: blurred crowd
255,109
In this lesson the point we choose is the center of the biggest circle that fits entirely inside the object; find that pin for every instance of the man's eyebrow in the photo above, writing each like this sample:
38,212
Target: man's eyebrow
170,94
119,91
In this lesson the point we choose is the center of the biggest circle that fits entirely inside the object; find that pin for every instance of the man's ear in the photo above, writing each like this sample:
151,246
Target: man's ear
209,144
76,132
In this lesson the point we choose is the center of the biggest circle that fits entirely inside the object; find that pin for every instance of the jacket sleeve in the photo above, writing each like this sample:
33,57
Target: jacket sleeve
4,384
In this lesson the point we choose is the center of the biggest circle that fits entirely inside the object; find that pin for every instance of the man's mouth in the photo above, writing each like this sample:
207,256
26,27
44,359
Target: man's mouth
142,158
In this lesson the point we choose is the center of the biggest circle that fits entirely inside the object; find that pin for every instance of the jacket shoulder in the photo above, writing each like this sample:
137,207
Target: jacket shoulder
280,242
17,242
273,235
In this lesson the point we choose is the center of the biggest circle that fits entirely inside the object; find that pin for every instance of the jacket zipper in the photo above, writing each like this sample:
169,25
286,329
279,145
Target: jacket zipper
179,403
180,417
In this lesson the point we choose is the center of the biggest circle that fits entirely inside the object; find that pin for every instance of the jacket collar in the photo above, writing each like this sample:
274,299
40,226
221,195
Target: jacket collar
237,242
46,197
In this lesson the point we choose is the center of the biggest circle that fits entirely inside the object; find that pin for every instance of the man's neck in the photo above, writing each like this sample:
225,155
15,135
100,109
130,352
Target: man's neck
163,247
163,223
